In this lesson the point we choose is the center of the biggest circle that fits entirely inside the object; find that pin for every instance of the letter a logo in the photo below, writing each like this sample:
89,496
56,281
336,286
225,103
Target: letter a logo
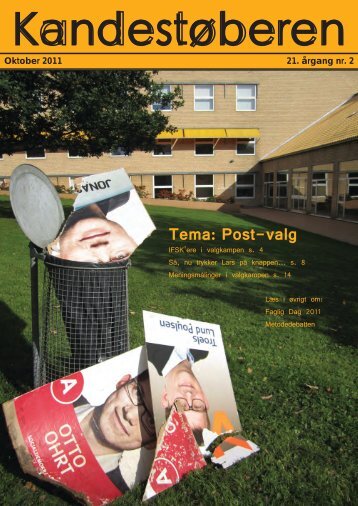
163,478
67,390
68,385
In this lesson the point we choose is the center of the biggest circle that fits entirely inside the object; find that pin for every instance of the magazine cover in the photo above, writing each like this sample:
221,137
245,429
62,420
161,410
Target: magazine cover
92,432
237,126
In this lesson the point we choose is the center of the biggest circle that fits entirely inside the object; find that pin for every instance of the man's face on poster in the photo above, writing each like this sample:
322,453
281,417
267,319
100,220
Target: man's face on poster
181,383
96,239
125,421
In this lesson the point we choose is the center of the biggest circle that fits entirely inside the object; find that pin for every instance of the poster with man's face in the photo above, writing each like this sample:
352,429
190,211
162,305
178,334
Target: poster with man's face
91,432
188,368
108,223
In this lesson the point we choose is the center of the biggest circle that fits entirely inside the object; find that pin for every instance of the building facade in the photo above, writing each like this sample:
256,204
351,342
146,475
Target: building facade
316,172
229,122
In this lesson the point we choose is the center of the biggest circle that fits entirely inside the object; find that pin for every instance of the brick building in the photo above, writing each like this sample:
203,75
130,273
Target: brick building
316,172
229,123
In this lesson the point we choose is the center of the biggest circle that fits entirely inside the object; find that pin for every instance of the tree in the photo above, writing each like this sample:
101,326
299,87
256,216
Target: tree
87,111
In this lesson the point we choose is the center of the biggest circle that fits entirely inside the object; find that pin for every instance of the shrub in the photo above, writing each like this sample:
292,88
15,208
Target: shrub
181,195
165,194
230,200
4,185
142,192
60,188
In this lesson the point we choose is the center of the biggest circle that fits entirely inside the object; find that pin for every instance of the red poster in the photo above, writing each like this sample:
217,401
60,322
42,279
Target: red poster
177,455
91,432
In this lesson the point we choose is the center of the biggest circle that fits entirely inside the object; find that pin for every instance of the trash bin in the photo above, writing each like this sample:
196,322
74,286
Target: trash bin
81,317
84,315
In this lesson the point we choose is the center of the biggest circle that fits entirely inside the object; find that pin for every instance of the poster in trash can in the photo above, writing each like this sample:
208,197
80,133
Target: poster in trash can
108,223
91,432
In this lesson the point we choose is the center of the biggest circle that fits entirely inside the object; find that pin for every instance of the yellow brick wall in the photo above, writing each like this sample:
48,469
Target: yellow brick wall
327,167
352,165
287,102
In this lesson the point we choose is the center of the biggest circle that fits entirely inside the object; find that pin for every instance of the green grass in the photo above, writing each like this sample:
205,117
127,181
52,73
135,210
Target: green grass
306,435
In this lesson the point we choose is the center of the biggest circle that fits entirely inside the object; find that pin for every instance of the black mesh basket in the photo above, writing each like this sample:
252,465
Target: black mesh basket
84,316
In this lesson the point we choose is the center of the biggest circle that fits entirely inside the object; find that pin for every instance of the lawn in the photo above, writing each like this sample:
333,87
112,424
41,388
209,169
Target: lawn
294,387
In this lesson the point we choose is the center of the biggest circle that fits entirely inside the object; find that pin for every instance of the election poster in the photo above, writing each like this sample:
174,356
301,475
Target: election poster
188,367
108,223
91,432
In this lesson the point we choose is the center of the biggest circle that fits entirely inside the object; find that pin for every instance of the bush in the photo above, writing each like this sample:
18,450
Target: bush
142,192
230,200
4,185
165,194
181,195
60,188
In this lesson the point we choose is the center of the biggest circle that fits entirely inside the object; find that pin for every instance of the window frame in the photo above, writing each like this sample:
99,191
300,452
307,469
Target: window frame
111,153
253,98
165,142
161,187
35,157
319,182
251,141
157,106
246,185
209,97
73,156
352,175
204,141
204,186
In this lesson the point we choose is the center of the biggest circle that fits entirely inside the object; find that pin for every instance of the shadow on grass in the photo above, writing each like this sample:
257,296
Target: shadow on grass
7,212
10,463
5,208
16,352
16,366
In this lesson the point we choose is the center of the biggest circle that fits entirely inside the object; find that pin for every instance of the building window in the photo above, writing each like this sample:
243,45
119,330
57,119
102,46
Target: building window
246,97
162,187
348,195
119,151
204,97
353,185
281,190
204,147
299,191
245,147
163,148
73,153
321,195
268,189
164,104
35,153
319,184
204,186
245,186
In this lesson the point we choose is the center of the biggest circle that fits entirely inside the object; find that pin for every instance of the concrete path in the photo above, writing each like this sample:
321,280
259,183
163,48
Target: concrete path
335,229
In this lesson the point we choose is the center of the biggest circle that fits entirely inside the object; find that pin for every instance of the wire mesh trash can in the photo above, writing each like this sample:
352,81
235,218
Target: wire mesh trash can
84,316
